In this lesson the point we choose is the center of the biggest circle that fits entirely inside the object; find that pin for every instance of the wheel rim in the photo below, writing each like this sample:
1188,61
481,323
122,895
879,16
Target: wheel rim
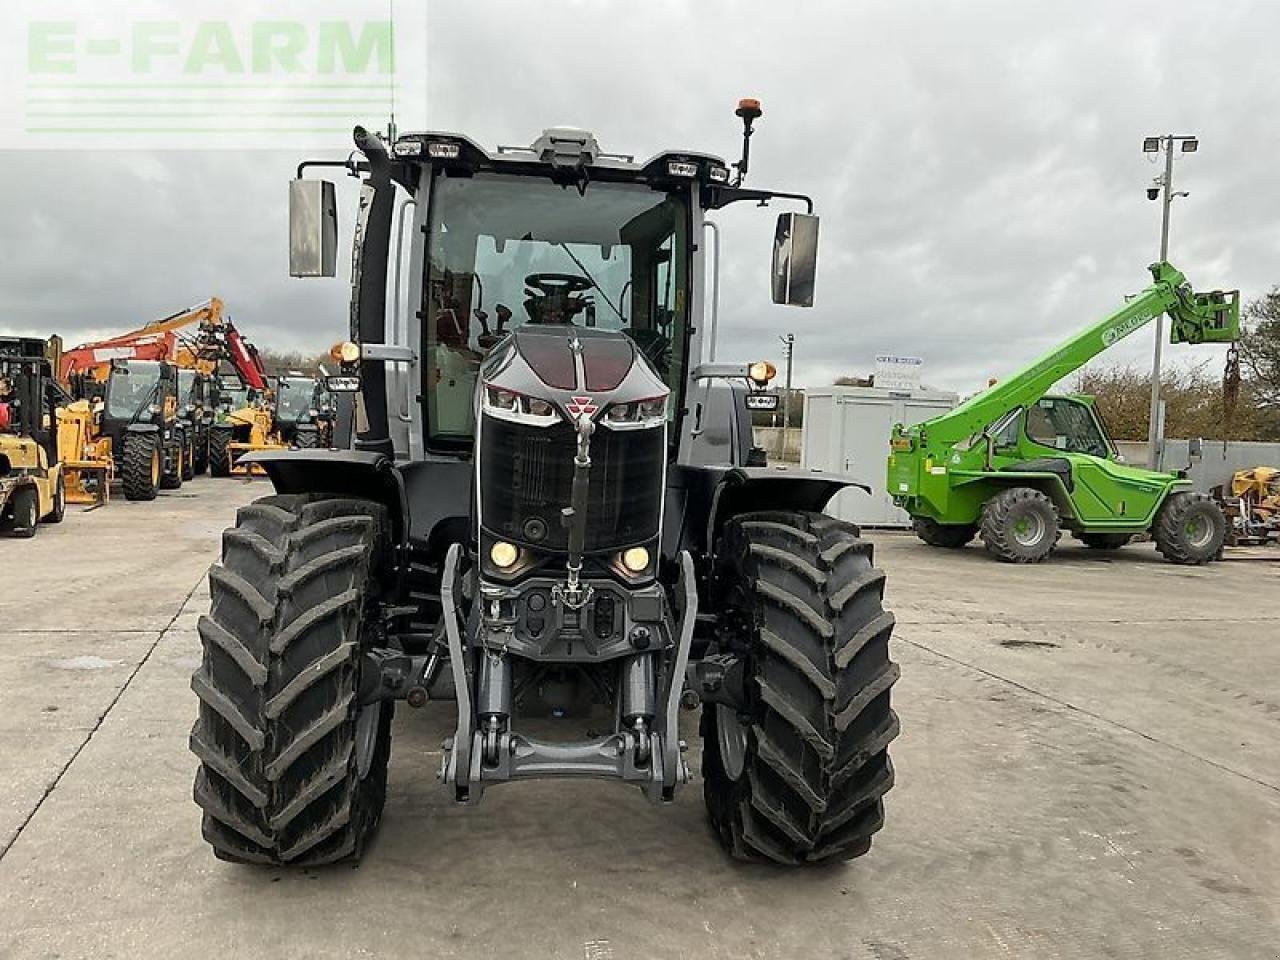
1028,529
367,722
1199,531
731,737
33,512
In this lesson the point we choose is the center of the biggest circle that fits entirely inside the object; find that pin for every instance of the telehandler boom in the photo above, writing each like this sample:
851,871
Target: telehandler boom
1015,464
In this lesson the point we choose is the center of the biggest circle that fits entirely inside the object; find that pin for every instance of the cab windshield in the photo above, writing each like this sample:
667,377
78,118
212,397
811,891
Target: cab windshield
1066,424
186,384
504,251
293,399
130,389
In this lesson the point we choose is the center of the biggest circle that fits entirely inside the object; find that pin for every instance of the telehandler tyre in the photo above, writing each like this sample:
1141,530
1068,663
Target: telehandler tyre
951,536
200,454
799,775
219,455
1020,525
188,457
293,769
1104,541
1190,528
142,466
175,452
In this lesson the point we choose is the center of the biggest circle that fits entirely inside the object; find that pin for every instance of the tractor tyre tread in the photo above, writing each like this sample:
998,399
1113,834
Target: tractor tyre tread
278,685
219,455
819,719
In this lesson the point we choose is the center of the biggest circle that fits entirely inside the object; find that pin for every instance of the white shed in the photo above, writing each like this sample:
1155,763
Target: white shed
846,430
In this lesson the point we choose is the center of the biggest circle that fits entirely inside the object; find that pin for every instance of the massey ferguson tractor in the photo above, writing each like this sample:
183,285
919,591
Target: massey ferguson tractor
548,519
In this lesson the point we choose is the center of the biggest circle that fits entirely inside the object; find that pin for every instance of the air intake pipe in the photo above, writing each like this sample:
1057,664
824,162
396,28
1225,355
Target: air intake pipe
369,300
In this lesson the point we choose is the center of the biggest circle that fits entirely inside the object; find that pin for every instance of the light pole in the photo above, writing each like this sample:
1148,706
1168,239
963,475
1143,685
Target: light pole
1162,189
788,347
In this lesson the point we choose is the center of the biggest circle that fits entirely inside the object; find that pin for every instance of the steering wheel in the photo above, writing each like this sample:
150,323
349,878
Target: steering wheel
558,284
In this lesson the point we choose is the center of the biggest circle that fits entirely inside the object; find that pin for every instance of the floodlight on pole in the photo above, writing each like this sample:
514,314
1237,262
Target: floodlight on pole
1162,188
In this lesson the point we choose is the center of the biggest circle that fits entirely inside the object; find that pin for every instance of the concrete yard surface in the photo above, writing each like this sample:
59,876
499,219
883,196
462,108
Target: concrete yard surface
1089,766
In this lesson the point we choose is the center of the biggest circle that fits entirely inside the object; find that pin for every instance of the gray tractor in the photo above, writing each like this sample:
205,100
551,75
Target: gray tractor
551,517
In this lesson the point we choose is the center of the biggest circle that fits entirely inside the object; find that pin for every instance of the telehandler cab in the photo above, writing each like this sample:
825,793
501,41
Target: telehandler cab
549,521
139,415
1015,465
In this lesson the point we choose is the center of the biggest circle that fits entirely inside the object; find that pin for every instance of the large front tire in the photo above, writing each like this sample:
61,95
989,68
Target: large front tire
175,453
798,775
293,769
142,467
1190,528
219,455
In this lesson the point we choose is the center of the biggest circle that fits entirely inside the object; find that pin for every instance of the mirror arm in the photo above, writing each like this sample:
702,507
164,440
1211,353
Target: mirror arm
723,196
352,167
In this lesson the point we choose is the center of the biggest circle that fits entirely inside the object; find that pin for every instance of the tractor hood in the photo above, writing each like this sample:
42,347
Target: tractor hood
578,370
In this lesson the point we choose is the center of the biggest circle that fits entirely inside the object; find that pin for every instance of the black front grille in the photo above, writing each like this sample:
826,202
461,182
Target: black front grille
526,474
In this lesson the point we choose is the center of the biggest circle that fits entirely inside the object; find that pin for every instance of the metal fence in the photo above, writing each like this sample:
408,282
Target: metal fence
1218,461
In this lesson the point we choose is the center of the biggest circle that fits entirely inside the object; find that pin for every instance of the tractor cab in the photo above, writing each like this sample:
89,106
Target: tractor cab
298,410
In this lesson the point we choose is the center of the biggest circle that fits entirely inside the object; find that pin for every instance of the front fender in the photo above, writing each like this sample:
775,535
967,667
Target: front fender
701,499
342,473
142,428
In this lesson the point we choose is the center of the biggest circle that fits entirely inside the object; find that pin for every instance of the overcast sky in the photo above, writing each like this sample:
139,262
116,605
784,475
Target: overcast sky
977,166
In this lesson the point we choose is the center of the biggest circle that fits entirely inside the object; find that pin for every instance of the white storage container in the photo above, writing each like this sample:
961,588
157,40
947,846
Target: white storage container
846,430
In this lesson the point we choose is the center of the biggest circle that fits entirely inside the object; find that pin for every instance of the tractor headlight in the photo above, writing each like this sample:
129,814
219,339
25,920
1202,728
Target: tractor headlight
509,405
637,414
504,555
636,560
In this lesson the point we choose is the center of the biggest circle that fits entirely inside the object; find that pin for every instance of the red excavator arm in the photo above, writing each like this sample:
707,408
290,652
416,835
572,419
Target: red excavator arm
216,340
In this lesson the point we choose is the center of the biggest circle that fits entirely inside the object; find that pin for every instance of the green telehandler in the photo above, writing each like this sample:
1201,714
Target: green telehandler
1015,465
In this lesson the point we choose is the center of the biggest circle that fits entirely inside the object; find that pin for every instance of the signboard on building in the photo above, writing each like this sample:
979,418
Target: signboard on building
898,373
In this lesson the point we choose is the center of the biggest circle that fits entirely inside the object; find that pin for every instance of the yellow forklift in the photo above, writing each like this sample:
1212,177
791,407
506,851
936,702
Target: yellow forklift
32,488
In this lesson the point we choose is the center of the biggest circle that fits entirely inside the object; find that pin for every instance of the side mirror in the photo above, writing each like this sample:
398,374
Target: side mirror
1195,448
313,229
795,259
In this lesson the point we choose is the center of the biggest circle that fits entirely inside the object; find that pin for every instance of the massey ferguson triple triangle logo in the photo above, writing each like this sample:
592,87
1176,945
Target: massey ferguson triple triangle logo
580,405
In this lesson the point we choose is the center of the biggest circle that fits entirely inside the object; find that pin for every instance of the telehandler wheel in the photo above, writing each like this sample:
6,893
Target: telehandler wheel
798,775
175,450
200,454
1104,541
293,769
935,534
219,455
142,466
59,510
1190,528
26,512
1020,525
188,457
306,439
